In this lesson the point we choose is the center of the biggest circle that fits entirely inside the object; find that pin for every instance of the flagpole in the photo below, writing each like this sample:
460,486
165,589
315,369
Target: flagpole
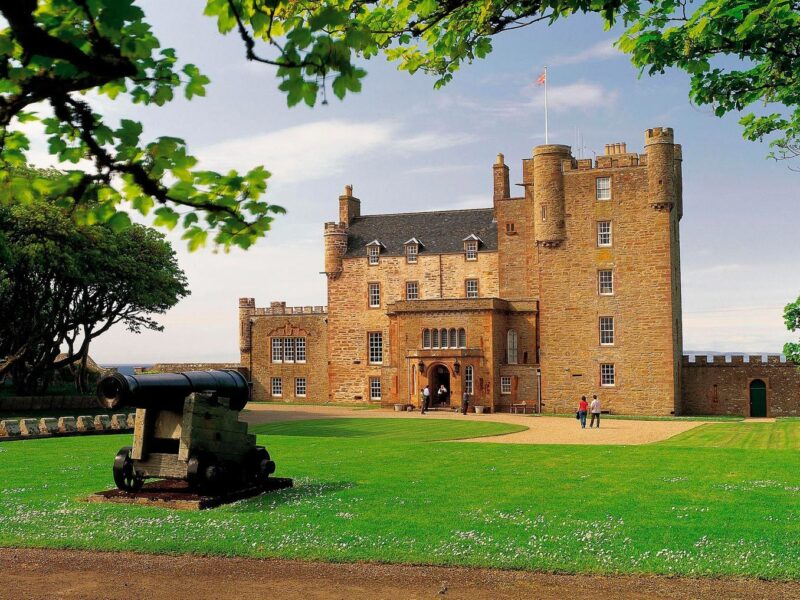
546,140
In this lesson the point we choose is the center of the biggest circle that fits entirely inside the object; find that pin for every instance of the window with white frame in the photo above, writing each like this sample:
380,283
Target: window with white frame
604,188
471,249
607,331
412,290
607,375
374,254
505,385
462,338
605,282
288,350
435,338
443,341
471,286
300,387
426,338
411,253
511,347
277,386
277,350
453,338
375,347
374,388
604,233
468,378
374,295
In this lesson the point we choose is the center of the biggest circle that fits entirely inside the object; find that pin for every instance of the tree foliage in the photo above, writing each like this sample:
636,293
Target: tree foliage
738,53
53,51
64,284
791,316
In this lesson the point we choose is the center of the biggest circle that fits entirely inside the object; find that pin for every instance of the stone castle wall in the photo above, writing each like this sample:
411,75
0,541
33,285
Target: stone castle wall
720,385
259,325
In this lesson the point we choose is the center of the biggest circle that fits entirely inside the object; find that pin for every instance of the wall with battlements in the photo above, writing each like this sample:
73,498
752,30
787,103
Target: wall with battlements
720,385
300,380
643,257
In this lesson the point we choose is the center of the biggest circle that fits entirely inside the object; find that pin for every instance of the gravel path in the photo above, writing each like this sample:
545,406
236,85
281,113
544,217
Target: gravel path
541,430
40,574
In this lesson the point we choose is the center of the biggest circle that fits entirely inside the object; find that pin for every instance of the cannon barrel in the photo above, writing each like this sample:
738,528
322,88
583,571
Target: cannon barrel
169,390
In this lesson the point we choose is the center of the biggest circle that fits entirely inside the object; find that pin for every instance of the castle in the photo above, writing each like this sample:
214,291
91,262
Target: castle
568,289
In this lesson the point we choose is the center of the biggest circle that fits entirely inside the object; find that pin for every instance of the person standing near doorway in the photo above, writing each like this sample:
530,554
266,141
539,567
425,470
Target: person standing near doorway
426,397
464,402
582,408
595,408
441,394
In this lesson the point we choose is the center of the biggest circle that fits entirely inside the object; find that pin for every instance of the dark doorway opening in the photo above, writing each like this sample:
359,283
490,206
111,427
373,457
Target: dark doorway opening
758,398
440,376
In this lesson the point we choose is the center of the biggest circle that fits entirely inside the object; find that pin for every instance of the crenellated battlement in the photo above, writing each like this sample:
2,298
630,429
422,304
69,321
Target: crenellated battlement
659,135
290,310
332,228
613,161
247,302
734,359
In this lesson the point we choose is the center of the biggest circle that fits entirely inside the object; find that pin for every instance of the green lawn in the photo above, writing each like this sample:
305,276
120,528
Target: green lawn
382,490
781,435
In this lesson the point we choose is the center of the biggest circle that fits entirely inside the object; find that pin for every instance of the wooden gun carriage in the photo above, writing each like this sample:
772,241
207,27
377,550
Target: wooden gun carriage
187,428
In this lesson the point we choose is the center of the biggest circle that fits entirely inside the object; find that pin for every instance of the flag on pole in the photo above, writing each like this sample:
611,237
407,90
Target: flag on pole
542,79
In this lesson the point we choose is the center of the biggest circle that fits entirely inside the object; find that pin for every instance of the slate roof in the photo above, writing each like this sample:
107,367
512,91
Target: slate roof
439,231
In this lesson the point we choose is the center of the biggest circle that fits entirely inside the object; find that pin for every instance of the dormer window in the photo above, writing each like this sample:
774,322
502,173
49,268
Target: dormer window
374,252
471,243
412,250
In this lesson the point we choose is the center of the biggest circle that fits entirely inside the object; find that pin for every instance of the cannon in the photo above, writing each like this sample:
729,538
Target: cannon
187,428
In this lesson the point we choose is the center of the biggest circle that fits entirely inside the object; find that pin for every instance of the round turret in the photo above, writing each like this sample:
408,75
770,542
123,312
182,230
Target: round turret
335,247
548,193
659,144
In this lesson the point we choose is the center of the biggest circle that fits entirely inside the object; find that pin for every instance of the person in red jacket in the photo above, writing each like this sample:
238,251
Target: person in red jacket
583,406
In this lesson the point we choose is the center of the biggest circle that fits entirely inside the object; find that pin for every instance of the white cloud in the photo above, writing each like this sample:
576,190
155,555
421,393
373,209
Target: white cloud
600,51
581,96
322,148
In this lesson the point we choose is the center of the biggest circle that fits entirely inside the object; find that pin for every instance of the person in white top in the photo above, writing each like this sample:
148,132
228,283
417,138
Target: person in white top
426,398
594,408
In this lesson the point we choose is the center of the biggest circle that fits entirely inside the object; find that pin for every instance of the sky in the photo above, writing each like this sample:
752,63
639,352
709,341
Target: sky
407,147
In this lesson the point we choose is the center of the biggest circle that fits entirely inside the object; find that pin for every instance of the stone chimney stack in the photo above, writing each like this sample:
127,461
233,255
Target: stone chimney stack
349,206
502,187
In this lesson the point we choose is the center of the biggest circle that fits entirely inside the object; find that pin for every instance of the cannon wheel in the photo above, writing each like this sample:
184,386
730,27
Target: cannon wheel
124,473
205,474
260,467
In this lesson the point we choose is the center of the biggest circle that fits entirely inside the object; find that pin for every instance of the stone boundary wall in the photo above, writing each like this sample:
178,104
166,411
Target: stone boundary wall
47,402
179,367
720,384
22,429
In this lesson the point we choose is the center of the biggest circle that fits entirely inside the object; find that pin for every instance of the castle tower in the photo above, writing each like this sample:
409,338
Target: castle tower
548,193
247,308
659,144
336,233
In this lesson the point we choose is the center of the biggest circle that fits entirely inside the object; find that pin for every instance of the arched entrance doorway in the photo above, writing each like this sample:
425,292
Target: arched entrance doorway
439,375
758,398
